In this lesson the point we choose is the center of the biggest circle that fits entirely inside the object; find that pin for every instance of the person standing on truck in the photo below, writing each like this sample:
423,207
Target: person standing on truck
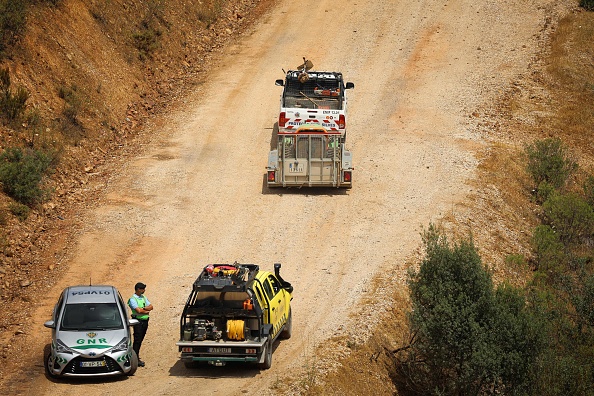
141,308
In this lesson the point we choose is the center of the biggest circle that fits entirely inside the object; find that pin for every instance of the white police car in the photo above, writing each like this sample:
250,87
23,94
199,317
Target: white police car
90,334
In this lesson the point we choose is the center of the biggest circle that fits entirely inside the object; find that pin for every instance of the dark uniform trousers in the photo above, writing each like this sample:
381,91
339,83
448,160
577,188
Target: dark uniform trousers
139,333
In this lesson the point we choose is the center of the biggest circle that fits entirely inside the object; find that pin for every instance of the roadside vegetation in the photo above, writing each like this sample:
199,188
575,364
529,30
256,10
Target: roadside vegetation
38,138
462,330
71,107
22,169
470,336
467,334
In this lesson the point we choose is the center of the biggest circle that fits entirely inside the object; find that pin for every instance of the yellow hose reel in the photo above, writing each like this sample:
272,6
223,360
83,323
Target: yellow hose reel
235,330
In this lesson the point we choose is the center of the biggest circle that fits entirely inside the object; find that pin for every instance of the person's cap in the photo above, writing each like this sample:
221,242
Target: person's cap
139,285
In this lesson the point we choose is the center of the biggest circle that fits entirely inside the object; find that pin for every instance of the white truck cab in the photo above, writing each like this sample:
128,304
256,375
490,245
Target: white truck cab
317,97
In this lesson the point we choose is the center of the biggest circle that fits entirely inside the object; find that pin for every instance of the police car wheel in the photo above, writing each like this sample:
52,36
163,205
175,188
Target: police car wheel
133,364
47,357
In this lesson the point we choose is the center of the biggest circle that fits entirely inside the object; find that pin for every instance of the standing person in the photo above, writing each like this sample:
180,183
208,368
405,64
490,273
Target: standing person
141,307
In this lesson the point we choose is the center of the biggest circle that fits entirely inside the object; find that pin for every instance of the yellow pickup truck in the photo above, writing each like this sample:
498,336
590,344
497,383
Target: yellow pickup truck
235,313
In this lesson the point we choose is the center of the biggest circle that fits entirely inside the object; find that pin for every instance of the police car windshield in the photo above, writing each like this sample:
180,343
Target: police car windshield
105,316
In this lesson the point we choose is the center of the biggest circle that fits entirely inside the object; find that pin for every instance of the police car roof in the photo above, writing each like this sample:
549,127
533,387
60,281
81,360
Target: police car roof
90,294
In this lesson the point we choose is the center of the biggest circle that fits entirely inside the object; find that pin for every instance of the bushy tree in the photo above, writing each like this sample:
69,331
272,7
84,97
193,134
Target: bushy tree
570,215
12,21
587,4
468,337
550,251
12,104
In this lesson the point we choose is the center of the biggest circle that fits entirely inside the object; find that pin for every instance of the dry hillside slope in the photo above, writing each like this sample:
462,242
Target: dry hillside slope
149,187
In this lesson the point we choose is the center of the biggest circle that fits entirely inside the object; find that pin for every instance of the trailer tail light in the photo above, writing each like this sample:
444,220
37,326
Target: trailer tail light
271,176
347,176
282,119
341,122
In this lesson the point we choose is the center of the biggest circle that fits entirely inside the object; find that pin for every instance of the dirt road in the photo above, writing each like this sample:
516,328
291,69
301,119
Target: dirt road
197,194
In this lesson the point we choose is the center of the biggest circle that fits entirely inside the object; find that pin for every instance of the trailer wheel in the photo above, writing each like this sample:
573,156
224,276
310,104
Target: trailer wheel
267,357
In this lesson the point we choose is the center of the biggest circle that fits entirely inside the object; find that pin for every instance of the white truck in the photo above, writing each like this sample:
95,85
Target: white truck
311,135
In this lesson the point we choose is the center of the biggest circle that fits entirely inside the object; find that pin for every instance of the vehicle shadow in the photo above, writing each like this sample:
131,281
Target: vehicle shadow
305,191
230,370
205,370
78,381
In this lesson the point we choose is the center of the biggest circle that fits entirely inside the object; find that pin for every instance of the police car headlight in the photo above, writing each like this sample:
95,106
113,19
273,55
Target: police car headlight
62,348
121,346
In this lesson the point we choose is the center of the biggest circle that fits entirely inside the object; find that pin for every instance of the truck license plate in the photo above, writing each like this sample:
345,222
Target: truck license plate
296,168
98,363
219,350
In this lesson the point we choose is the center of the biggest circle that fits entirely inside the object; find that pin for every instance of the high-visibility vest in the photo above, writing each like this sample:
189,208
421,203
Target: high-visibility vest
141,301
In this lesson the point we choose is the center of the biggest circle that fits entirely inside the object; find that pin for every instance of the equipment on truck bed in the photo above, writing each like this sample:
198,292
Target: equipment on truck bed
234,314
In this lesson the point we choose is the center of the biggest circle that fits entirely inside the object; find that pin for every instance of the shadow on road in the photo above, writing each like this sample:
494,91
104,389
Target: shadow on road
205,370
229,370
305,191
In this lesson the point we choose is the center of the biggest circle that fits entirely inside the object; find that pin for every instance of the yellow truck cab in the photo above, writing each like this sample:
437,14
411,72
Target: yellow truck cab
235,312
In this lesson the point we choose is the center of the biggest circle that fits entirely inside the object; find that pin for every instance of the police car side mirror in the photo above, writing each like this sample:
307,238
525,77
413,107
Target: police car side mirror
50,324
349,85
132,322
280,83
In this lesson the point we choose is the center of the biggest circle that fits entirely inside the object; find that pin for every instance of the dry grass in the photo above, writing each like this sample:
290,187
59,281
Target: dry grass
556,100
572,71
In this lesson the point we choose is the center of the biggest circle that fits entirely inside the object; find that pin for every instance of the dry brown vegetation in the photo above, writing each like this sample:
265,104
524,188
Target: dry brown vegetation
96,72
91,100
554,99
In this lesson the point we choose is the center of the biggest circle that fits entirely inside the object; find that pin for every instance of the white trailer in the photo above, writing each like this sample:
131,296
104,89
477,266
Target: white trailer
310,156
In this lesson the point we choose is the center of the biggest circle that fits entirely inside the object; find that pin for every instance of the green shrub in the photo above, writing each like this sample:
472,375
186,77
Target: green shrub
517,261
550,251
22,172
19,210
571,217
560,374
589,190
549,161
468,337
4,79
587,4
584,301
544,191
209,14
146,41
12,105
73,102
12,21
